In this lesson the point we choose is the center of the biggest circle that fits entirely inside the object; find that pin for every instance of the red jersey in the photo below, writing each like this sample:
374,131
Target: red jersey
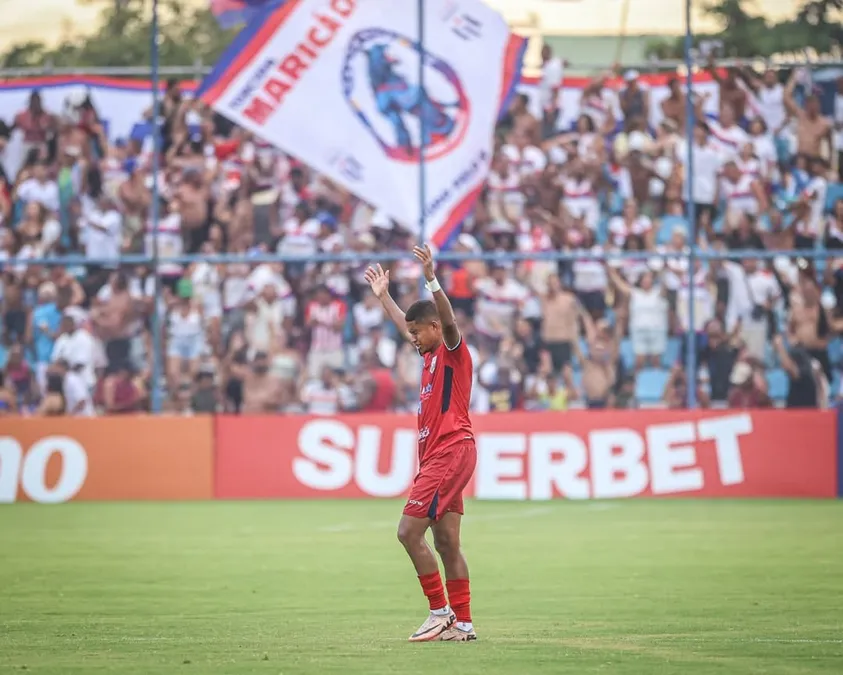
443,401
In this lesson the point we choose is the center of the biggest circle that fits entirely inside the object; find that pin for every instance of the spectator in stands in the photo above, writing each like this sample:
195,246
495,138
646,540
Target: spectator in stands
77,393
45,320
646,307
838,128
21,379
53,402
599,362
39,188
812,128
38,125
718,356
121,392
748,388
262,390
325,316
807,383
320,395
592,181
675,395
808,324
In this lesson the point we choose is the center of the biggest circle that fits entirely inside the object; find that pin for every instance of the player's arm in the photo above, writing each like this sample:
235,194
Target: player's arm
450,331
379,281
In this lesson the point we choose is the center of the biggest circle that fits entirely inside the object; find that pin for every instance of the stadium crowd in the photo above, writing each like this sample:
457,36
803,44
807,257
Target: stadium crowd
310,337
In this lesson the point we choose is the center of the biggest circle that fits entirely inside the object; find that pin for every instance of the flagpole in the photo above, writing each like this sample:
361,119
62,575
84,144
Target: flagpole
154,215
691,341
422,130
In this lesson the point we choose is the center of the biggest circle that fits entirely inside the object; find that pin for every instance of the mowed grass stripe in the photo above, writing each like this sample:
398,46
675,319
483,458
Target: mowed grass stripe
628,587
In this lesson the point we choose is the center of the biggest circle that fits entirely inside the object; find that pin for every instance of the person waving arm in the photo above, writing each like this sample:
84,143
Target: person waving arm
379,282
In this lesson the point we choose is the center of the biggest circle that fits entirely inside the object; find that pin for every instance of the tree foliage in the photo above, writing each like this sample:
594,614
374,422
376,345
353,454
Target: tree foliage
123,38
190,34
815,27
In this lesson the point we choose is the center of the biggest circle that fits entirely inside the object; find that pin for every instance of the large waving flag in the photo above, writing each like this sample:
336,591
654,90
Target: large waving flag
336,84
231,13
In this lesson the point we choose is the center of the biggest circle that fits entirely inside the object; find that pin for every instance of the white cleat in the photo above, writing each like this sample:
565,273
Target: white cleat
435,625
456,634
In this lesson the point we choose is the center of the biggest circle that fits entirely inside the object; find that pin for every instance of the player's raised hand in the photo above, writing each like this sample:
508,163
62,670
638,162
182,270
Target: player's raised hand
378,280
425,257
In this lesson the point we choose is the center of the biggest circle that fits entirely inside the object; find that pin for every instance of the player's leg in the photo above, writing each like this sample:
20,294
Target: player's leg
419,513
446,539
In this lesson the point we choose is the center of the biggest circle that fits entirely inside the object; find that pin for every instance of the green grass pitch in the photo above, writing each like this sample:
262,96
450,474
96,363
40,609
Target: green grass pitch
632,587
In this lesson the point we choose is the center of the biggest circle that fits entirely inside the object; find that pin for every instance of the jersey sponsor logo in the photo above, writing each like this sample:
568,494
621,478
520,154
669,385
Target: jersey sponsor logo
426,391
424,433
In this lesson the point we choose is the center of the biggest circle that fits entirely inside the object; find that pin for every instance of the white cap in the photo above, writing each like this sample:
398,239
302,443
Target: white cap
740,373
469,242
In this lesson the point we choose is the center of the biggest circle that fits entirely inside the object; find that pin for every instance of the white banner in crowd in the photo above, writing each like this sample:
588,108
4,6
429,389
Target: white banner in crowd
121,103
336,83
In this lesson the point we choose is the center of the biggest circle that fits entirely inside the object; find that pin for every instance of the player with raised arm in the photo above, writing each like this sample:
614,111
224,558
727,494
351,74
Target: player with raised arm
447,454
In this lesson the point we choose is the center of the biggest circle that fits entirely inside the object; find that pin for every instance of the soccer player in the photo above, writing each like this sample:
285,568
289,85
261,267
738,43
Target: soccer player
447,453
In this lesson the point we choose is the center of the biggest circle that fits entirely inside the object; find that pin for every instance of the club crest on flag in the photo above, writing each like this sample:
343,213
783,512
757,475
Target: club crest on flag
380,82
344,86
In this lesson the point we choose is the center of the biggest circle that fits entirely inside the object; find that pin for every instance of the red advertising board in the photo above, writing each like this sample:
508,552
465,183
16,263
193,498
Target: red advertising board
575,455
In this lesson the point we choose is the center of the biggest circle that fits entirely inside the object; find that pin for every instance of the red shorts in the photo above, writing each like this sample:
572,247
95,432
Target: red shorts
438,486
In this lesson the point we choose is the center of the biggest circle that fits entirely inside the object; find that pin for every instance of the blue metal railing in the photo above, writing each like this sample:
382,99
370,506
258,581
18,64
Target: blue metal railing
393,256
386,257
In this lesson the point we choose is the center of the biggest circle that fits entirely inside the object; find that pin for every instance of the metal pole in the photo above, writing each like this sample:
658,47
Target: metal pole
422,134
691,341
156,151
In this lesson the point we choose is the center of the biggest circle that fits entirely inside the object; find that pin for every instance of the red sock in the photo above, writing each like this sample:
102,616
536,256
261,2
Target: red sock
460,598
432,586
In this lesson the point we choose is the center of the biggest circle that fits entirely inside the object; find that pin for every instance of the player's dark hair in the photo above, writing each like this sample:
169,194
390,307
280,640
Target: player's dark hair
422,311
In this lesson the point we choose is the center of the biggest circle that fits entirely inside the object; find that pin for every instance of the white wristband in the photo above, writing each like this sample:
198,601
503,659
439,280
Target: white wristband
433,286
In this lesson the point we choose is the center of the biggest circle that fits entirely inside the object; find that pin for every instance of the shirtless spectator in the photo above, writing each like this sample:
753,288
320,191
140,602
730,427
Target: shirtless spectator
812,127
560,323
808,324
194,202
114,318
523,119
262,389
731,92
674,107
600,363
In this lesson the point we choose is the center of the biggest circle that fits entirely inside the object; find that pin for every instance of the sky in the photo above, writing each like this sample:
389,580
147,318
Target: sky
25,19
